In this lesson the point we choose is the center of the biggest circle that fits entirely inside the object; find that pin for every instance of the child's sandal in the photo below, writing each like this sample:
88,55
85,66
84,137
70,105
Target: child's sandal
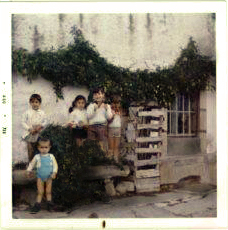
36,208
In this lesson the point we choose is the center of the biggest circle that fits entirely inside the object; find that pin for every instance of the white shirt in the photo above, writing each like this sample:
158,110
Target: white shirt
30,119
78,115
36,162
98,115
116,122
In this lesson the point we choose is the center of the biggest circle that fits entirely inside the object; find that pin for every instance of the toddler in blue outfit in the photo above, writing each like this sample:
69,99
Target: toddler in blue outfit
46,170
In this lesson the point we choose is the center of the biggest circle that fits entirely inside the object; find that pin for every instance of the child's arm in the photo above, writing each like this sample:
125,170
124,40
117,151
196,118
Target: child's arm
91,110
55,167
44,120
72,122
43,123
31,166
109,112
24,121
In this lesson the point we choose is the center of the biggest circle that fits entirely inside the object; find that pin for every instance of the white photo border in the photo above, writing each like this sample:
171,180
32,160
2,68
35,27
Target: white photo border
9,8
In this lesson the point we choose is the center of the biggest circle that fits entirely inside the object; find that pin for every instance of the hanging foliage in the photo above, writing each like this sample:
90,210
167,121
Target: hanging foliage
81,64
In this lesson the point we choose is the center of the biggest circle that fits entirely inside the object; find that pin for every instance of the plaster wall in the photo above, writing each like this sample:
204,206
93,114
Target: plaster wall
128,40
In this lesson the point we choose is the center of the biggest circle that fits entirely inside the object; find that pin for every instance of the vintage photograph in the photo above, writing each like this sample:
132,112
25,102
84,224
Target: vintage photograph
113,115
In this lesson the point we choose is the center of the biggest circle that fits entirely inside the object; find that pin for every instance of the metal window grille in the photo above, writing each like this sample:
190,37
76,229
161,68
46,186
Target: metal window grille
182,117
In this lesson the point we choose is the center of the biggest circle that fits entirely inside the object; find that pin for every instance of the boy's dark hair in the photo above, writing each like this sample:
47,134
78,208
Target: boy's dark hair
98,89
43,139
35,96
79,97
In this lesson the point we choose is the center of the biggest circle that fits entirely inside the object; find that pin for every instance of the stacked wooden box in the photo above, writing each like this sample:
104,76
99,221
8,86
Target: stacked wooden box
151,139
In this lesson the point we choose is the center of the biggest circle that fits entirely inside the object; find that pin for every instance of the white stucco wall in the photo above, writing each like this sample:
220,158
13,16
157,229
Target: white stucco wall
133,41
208,122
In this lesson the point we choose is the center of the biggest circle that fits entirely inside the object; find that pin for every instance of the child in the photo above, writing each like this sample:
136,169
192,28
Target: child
46,170
98,115
78,119
33,122
114,129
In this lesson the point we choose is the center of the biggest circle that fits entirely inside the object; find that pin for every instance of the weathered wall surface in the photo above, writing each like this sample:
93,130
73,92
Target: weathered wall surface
128,40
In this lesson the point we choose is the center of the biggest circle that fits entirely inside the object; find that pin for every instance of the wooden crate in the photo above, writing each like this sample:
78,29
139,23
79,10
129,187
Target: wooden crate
150,158
144,173
153,112
151,140
147,184
151,126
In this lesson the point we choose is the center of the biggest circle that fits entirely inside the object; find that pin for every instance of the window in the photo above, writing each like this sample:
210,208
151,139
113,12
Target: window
182,116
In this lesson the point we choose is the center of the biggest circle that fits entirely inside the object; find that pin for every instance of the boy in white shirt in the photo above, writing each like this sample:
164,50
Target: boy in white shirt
98,115
33,122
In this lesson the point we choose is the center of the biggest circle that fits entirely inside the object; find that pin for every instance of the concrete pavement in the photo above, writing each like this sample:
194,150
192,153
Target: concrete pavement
194,200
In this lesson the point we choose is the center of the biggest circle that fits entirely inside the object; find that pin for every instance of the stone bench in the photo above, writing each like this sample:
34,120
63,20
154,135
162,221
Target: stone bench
92,173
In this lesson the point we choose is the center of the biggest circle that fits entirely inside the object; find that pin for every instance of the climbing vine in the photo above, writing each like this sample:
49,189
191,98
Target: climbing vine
81,64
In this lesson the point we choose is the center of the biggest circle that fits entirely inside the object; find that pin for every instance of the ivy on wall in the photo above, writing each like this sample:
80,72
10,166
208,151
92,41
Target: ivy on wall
81,64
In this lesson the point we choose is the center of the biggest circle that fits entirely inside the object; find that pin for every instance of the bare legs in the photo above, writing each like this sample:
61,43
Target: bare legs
114,143
40,188
31,148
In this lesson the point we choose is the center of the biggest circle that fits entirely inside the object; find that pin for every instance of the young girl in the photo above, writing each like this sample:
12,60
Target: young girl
47,168
114,129
98,115
78,119
33,122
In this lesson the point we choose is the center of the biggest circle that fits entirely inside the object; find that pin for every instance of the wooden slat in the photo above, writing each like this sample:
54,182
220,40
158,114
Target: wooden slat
153,113
147,184
149,139
152,126
147,173
146,162
147,150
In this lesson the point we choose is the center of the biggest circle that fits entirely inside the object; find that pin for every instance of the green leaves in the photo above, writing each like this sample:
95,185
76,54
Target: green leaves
81,64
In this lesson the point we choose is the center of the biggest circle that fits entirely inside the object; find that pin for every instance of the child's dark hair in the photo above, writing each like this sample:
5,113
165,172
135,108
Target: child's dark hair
79,97
35,96
98,89
116,99
43,139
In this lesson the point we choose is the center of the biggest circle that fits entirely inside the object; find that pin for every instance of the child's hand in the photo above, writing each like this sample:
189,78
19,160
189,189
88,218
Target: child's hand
29,174
106,106
70,124
32,131
103,105
95,106
39,128
53,176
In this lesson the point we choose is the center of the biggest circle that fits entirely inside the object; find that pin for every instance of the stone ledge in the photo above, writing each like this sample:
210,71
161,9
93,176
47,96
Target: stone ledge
174,168
92,173
105,172
20,178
